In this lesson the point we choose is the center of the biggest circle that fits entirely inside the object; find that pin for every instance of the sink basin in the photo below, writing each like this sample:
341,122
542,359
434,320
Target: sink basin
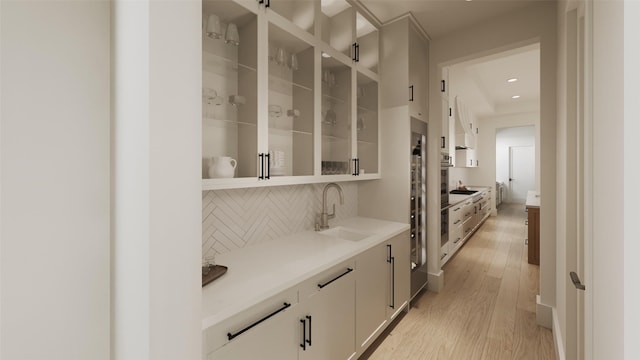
344,233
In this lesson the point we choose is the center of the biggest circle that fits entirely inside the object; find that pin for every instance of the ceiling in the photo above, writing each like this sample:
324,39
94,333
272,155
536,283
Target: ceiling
483,85
439,17
482,82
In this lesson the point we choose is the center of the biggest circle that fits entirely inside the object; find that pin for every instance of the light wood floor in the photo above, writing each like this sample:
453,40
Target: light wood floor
486,309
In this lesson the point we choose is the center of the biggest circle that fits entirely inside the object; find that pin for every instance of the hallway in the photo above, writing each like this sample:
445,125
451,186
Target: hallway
486,309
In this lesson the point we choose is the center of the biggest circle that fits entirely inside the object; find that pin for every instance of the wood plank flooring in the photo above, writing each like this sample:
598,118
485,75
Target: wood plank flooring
486,309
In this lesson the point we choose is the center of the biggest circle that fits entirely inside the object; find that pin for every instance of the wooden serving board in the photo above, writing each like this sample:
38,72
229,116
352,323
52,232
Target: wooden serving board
214,272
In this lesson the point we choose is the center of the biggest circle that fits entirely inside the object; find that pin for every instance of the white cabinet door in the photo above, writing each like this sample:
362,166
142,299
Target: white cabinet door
372,286
418,65
329,314
466,158
400,273
274,338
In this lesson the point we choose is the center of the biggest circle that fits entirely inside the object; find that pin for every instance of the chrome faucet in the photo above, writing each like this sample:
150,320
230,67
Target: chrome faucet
324,217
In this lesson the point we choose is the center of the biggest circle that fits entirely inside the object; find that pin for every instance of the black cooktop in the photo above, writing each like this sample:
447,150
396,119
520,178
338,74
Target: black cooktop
463,192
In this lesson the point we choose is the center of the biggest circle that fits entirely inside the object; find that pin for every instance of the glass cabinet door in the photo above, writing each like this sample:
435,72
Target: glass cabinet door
229,91
367,43
337,23
299,12
291,107
336,117
367,124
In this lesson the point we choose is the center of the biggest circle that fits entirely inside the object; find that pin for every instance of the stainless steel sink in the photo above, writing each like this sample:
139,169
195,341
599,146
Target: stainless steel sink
345,233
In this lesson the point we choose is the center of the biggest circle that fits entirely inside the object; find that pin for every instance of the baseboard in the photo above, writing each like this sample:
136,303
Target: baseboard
544,314
436,281
557,336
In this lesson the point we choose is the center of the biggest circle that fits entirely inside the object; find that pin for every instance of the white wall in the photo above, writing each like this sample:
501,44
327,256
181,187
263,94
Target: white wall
505,139
536,23
54,188
608,181
156,181
631,180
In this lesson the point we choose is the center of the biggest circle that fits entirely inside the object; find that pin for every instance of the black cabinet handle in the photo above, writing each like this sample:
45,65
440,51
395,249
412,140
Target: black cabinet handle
357,52
457,241
309,340
232,336
477,163
354,49
389,253
261,174
260,1
357,166
304,334
411,97
268,156
457,222
449,111
443,256
335,278
393,283
354,166
443,138
268,3
443,86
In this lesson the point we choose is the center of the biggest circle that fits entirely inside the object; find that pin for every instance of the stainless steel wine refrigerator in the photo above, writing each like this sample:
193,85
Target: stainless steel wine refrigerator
418,216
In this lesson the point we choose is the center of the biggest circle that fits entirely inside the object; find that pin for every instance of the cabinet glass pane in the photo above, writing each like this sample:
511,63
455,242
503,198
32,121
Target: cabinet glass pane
367,35
336,117
229,84
337,25
299,12
367,124
291,106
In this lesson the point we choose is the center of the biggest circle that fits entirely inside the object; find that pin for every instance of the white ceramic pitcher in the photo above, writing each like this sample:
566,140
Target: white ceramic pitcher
222,167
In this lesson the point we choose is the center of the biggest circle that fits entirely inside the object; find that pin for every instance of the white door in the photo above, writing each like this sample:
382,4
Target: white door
522,164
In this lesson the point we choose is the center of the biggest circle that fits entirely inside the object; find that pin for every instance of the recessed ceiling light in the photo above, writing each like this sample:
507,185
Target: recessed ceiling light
468,0
515,97
325,55
511,80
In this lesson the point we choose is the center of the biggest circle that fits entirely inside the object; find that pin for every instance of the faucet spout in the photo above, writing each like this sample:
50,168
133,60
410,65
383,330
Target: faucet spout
325,216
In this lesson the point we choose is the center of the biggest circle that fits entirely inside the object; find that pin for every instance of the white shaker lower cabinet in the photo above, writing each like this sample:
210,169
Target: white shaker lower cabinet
372,287
269,330
328,312
400,267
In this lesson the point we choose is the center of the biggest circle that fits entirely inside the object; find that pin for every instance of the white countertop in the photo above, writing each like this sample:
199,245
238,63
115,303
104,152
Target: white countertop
533,199
257,272
455,199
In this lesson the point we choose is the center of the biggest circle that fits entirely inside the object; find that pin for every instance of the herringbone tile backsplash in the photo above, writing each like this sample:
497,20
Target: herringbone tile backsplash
233,219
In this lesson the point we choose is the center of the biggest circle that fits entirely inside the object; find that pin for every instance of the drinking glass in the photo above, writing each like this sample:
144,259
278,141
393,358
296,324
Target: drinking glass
213,27
231,36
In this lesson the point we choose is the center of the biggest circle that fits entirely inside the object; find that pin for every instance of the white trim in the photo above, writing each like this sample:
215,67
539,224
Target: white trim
435,281
557,336
544,313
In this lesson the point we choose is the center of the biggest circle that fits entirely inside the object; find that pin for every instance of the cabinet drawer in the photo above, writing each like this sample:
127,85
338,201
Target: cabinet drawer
246,321
456,214
337,273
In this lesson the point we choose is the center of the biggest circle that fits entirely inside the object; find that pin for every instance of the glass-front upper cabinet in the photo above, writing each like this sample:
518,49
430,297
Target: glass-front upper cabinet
367,44
291,104
336,117
337,24
299,12
229,91
367,124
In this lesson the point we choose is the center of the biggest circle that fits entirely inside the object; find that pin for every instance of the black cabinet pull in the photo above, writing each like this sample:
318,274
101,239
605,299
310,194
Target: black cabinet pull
393,283
449,111
309,340
457,222
443,256
261,174
335,278
268,156
443,140
261,2
268,3
232,336
357,52
389,253
304,334
443,86
411,97
357,166
353,48
477,163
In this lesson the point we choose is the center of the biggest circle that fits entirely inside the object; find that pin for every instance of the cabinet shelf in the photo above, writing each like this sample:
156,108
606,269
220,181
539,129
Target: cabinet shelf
212,61
281,81
289,131
361,108
364,142
333,98
226,121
